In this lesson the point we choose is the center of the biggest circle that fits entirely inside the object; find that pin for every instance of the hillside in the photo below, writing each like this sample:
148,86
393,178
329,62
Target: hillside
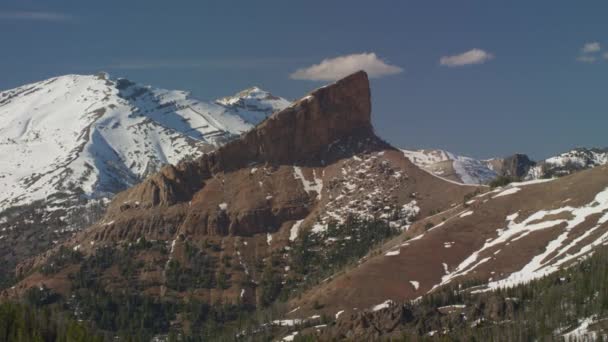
499,238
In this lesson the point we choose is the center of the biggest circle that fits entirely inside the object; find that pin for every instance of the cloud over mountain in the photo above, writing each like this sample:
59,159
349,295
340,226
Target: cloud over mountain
335,68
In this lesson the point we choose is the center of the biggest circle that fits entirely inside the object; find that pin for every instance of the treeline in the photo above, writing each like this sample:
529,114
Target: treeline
26,323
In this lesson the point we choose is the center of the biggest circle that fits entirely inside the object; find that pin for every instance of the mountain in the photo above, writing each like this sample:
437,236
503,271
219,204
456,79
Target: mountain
517,166
309,224
569,162
220,228
89,136
69,143
452,167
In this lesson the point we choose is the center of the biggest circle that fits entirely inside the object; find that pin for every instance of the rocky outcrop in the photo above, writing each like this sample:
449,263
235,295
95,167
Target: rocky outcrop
408,319
297,134
516,166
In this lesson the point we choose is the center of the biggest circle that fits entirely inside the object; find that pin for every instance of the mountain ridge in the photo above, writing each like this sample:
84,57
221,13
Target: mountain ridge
518,166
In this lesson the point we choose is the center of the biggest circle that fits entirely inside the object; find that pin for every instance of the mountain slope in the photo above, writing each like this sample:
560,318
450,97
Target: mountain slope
499,238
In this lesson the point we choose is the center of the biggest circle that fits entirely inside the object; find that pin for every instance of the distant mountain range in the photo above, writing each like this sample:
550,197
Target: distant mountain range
568,162
468,170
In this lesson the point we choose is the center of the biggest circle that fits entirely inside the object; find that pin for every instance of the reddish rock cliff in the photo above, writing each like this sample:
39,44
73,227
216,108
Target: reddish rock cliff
297,134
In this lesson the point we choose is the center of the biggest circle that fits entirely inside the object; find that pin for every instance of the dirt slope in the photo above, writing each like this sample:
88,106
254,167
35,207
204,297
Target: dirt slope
501,238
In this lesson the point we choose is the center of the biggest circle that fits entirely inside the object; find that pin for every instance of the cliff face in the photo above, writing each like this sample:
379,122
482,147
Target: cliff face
516,166
297,134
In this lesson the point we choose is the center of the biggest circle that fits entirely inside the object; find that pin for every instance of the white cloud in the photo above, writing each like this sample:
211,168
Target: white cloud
591,47
474,56
605,55
586,59
332,69
34,15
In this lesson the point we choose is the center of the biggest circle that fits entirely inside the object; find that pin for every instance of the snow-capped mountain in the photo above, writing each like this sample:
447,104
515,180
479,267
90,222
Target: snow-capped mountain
89,136
474,171
452,167
569,162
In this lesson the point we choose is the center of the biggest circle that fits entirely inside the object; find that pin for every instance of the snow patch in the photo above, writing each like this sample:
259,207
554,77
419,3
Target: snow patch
465,214
291,336
582,333
507,192
393,253
316,185
383,305
295,229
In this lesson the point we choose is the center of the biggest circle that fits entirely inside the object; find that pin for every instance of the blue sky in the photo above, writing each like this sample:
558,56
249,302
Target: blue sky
534,91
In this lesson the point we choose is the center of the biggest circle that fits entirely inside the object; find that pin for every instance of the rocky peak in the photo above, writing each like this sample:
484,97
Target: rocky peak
516,165
249,93
299,134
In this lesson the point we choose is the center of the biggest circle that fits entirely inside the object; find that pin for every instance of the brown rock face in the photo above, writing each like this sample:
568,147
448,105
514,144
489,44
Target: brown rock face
516,166
297,134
